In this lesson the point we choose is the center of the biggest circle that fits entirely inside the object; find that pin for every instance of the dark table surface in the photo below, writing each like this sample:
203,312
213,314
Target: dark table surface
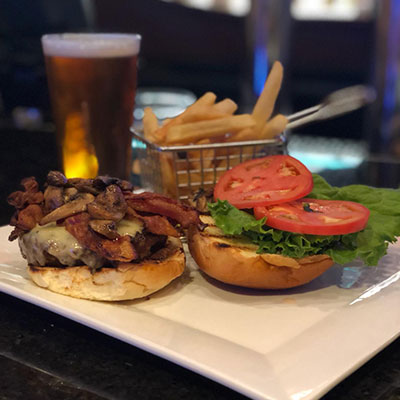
46,356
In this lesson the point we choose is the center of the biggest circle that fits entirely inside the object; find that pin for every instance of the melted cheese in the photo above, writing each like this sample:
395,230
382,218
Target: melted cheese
129,227
52,232
59,243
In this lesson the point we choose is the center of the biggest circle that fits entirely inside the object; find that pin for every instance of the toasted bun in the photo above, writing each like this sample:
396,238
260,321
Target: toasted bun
126,282
231,261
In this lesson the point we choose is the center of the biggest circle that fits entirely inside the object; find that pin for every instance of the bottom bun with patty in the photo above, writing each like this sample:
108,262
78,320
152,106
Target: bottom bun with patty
127,281
231,261
96,238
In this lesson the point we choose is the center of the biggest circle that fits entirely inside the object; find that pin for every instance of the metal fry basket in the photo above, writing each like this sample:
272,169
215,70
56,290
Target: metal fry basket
179,171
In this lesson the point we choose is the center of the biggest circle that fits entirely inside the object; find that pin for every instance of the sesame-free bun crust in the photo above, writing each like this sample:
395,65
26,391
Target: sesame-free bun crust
230,262
125,282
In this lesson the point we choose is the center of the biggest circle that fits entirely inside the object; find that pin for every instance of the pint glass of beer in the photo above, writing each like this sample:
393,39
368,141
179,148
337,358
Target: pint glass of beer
92,85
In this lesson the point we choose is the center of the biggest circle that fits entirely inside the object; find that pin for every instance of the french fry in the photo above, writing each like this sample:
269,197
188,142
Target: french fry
150,125
162,132
201,113
196,179
166,121
235,154
265,103
243,135
168,175
136,167
226,106
207,99
206,155
223,165
192,132
220,138
274,127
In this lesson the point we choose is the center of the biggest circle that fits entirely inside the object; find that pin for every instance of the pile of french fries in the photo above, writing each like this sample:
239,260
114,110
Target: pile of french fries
208,121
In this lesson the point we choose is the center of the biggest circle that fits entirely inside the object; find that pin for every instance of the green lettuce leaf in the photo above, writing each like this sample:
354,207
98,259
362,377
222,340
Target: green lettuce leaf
232,221
369,245
384,222
383,201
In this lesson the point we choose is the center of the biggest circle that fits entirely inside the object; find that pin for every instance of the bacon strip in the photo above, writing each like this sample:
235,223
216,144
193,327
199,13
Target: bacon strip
158,204
31,195
154,223
27,202
30,184
120,249
25,220
29,217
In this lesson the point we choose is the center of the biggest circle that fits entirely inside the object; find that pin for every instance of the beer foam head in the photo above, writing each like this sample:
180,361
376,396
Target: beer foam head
91,44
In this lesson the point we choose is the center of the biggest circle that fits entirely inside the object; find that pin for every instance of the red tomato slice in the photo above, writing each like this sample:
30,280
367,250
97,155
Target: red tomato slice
264,181
316,217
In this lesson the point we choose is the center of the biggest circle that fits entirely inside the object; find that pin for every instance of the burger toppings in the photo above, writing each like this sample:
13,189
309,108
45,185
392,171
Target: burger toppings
316,217
109,204
158,204
105,227
70,208
201,199
53,245
147,245
26,219
345,223
56,178
96,222
264,181
53,198
156,223
120,249
30,194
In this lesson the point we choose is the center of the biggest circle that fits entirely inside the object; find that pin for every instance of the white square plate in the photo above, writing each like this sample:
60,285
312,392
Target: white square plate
293,344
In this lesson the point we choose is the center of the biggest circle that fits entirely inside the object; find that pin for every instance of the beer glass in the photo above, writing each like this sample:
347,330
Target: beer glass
92,85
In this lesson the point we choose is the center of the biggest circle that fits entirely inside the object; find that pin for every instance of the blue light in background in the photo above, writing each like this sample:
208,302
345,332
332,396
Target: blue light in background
137,144
317,162
389,97
260,68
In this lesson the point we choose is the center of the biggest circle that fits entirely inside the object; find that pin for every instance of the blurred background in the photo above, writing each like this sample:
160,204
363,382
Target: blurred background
224,46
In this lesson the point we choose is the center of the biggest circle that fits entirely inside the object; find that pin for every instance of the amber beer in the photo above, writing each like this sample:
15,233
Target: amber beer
92,84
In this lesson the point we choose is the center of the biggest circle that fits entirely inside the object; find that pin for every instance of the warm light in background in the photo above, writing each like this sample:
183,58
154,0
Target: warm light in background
79,158
338,10
238,8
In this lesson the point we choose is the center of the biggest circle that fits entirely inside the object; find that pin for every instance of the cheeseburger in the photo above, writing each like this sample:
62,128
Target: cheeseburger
96,239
